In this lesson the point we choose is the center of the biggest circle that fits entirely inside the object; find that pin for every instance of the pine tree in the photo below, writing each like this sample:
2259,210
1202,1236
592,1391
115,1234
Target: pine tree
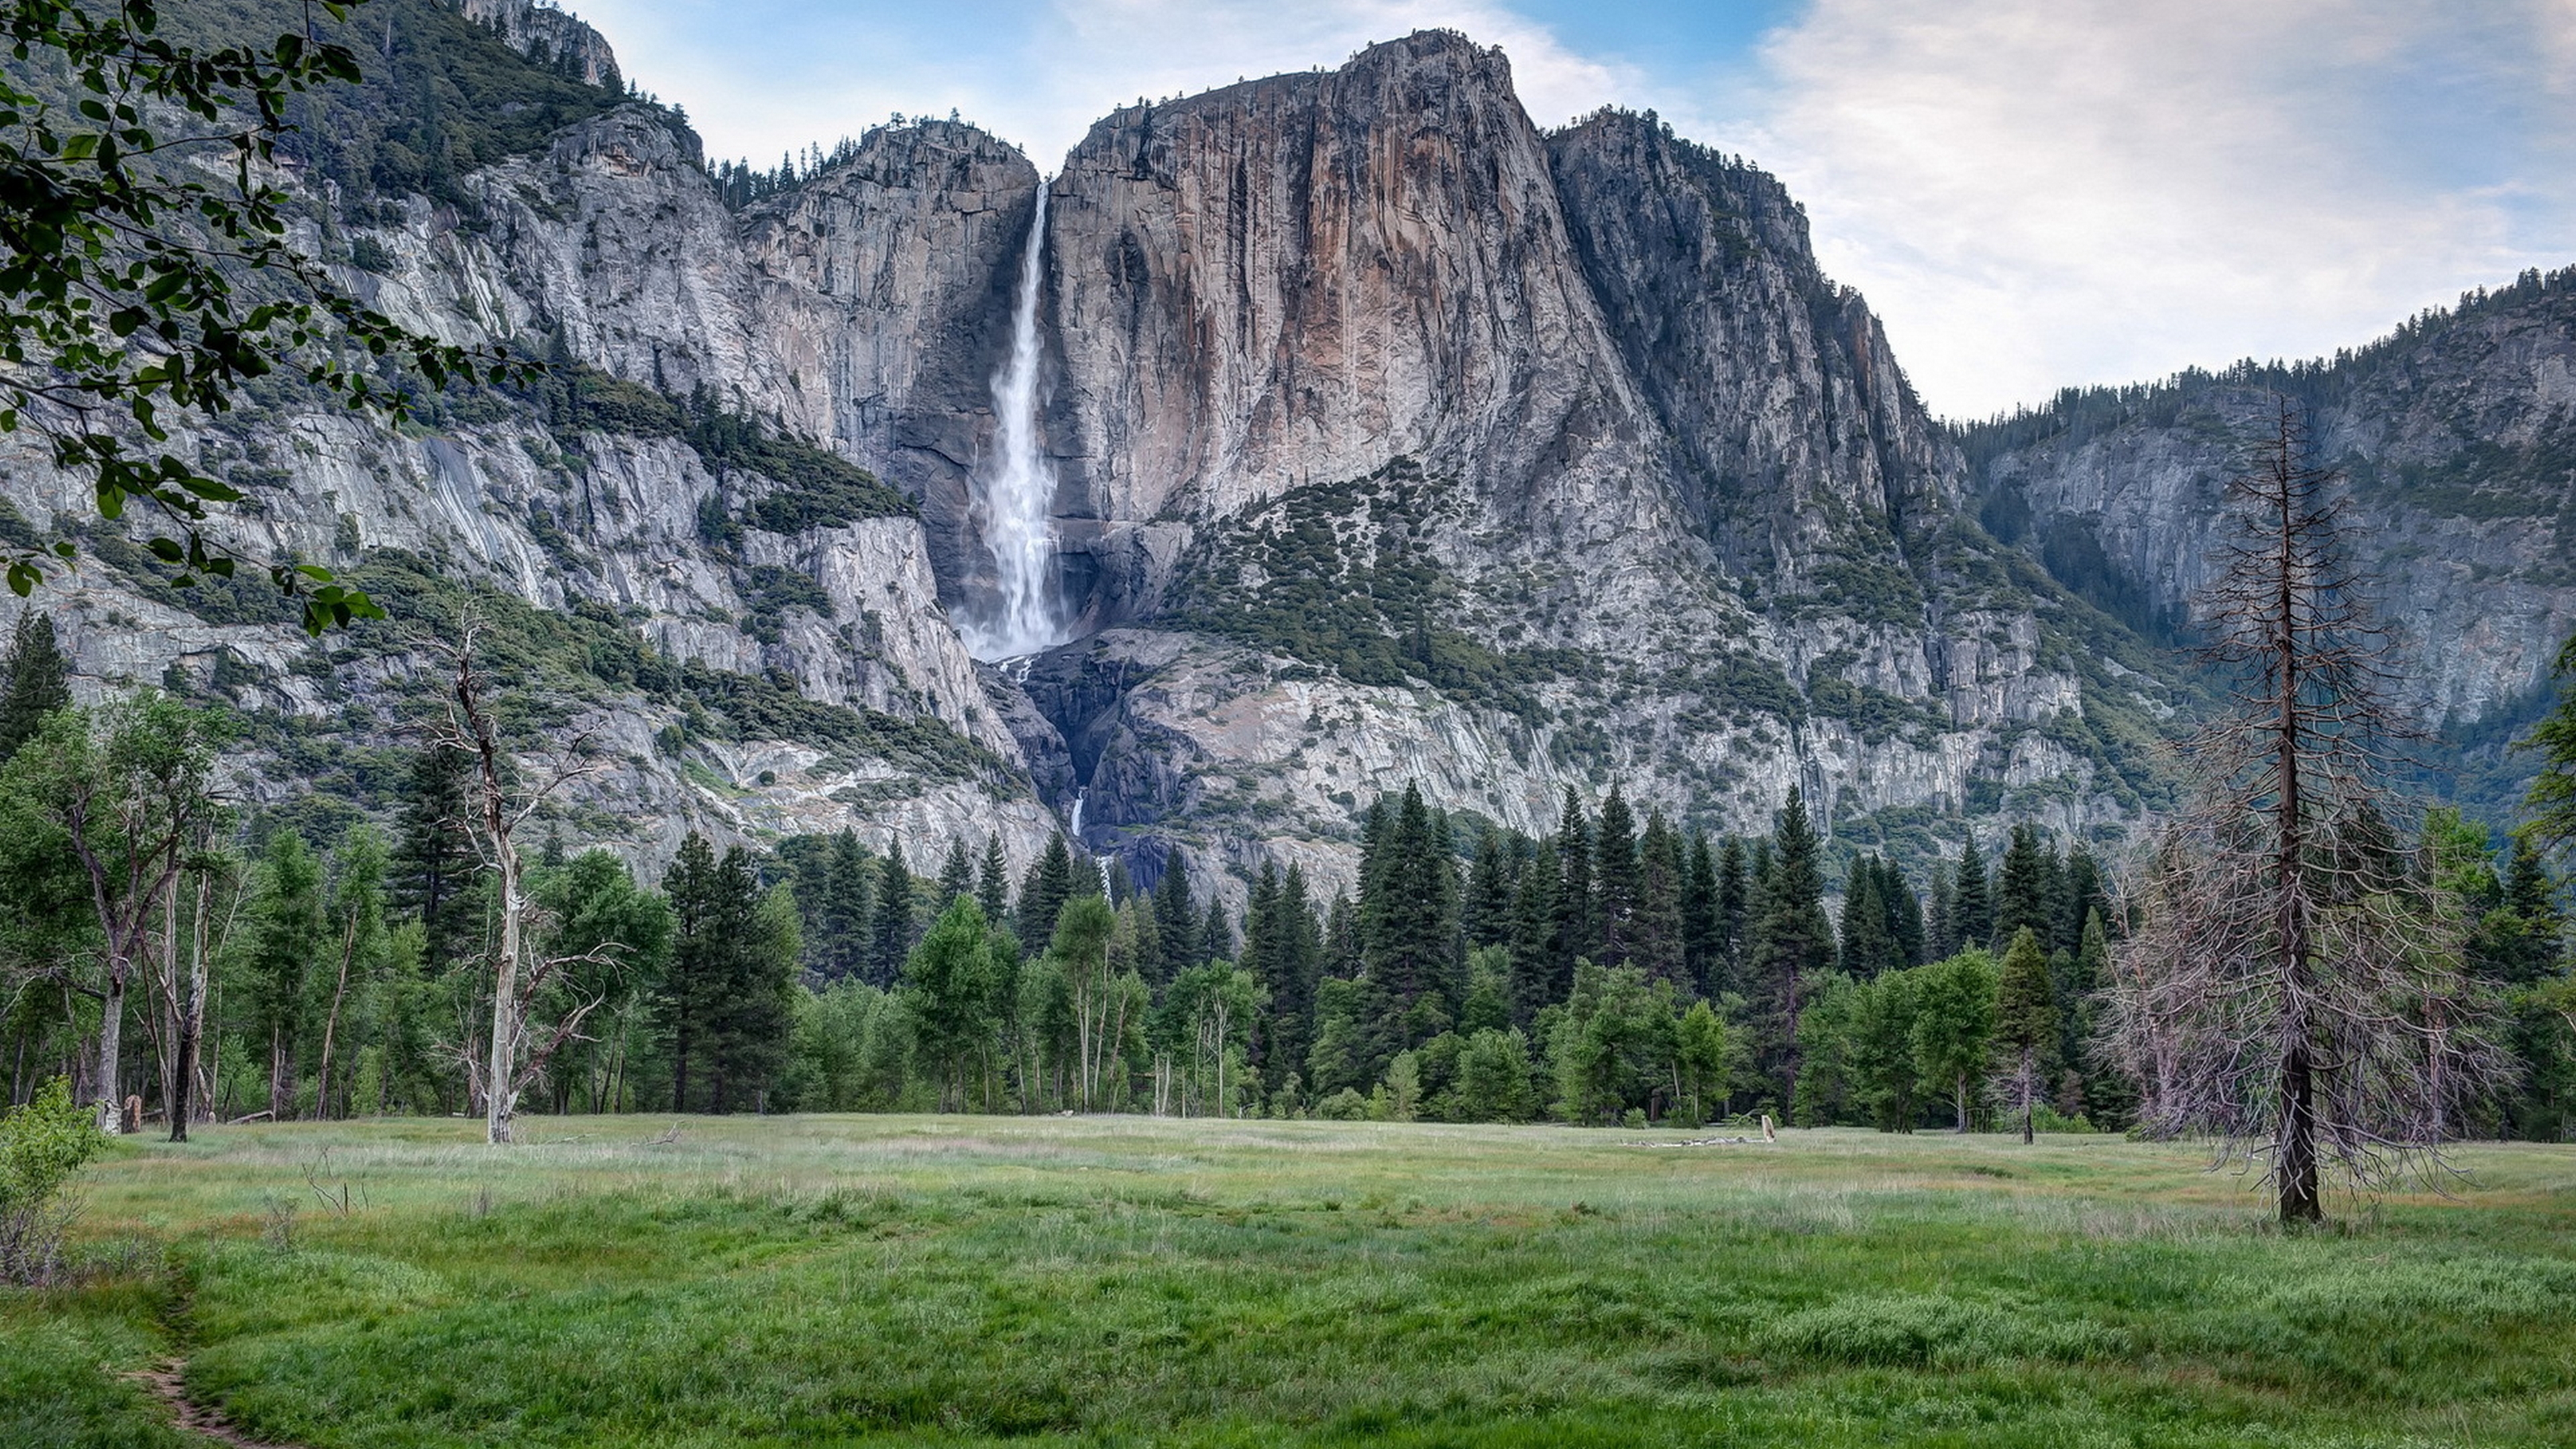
956,875
1702,943
1794,936
1734,918
1216,934
845,911
1408,918
1656,924
890,928
1972,915
1536,980
2023,891
1578,935
1485,915
32,681
1614,880
2079,894
1043,894
696,977
993,883
1291,964
434,865
1867,947
744,1020
1940,928
2026,1018
1904,915
1176,921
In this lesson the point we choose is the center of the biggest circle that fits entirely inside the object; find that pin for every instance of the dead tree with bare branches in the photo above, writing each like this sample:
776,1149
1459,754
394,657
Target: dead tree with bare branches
513,1058
2296,985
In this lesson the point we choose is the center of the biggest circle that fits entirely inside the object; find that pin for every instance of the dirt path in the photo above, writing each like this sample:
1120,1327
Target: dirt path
166,1383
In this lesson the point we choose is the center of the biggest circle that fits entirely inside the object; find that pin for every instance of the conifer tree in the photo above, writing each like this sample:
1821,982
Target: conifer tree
1216,934
1043,894
1614,880
1176,920
1578,933
1537,980
2026,1021
1940,926
1656,923
956,875
1794,937
845,910
1867,947
1409,916
890,928
2079,894
434,865
33,681
745,1030
1734,912
2022,893
1904,916
993,883
1972,914
1701,941
696,977
1485,914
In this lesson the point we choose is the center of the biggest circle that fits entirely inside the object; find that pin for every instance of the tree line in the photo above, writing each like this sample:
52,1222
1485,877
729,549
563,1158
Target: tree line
1614,970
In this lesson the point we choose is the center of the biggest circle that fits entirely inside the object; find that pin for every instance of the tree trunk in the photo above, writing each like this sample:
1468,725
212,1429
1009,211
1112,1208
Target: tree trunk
1959,1101
500,1096
2297,1159
111,1043
192,1016
2026,1089
331,1024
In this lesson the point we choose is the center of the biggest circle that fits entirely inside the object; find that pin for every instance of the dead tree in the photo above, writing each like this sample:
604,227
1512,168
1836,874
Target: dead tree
513,1062
2296,985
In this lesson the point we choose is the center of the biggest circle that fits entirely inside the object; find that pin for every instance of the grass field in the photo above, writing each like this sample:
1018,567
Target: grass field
1129,1281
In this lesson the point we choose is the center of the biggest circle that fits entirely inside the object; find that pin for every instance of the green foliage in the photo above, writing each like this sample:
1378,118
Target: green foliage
441,97
32,682
41,1145
1339,575
1954,1026
139,281
2553,792
809,487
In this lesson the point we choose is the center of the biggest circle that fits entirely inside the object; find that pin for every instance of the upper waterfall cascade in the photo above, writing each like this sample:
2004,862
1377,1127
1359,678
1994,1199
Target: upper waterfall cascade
1016,497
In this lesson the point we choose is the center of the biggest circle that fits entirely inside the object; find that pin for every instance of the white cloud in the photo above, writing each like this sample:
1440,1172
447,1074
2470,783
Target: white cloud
2033,193
2038,192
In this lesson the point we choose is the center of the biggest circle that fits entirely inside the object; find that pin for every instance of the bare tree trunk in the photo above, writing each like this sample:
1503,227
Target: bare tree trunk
331,1025
2027,1086
111,1041
2298,1151
192,1013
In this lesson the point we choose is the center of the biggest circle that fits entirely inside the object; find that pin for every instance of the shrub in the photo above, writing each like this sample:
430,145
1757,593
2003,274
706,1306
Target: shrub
1346,1105
41,1145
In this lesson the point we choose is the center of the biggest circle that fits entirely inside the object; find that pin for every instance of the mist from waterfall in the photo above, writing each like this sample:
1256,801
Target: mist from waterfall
1014,510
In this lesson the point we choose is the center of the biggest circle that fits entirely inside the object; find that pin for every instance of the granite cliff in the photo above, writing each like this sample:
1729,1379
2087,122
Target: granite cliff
1392,439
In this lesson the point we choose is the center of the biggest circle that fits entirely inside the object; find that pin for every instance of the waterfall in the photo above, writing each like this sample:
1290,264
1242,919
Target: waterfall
1101,861
1018,493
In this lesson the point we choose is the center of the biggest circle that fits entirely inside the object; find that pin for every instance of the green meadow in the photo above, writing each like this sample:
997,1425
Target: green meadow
973,1280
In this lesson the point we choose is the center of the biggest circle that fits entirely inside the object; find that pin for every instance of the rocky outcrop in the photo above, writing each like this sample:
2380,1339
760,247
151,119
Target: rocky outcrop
2458,437
548,35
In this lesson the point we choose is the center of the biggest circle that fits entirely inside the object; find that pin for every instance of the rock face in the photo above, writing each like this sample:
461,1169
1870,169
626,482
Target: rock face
2458,436
1395,441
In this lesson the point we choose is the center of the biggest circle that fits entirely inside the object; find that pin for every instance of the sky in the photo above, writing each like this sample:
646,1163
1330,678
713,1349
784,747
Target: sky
2032,194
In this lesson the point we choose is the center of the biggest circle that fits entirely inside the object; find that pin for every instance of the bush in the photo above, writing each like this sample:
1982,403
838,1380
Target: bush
41,1145
1346,1105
